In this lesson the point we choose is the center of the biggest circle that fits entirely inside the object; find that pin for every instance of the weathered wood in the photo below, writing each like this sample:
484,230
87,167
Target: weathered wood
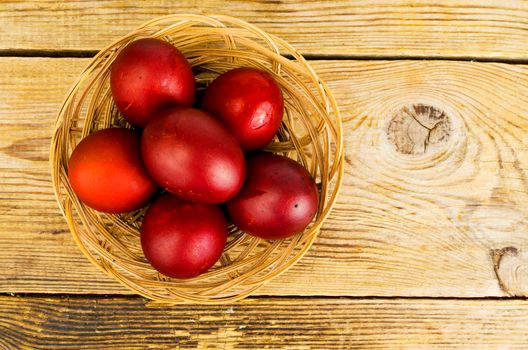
437,210
124,323
463,28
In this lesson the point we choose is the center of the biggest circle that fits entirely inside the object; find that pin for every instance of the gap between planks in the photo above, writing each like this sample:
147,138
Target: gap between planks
310,57
258,297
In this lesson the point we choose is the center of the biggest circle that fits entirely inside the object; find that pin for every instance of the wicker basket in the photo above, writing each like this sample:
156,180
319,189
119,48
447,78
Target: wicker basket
310,133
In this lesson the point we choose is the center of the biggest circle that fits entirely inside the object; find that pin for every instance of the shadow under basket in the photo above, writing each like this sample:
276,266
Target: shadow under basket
310,133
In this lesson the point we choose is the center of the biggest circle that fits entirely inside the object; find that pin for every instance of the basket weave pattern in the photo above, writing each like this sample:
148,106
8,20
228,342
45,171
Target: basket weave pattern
310,133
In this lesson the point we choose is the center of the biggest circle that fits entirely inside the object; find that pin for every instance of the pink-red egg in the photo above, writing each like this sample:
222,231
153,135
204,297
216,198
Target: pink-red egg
106,171
182,239
193,155
250,102
150,75
278,199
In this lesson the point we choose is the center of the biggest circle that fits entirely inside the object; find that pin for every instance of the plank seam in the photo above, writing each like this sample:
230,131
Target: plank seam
256,297
313,57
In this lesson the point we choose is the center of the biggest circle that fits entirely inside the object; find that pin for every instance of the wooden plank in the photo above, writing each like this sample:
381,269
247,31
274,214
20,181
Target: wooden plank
462,28
125,323
425,210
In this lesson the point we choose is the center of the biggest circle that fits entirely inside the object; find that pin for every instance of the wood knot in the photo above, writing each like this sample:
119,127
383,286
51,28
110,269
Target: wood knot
34,149
511,268
419,129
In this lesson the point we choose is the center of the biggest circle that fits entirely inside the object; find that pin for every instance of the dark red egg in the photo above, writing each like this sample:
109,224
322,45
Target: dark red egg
182,239
150,75
193,155
250,102
106,171
278,199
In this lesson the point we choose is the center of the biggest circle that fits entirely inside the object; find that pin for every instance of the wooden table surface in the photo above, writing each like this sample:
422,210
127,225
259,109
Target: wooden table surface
427,246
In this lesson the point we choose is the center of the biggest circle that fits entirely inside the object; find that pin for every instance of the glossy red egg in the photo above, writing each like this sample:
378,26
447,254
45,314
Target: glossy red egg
278,199
106,171
193,155
150,75
182,239
250,102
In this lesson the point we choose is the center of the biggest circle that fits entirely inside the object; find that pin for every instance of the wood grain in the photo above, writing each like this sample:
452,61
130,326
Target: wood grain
464,28
446,220
124,323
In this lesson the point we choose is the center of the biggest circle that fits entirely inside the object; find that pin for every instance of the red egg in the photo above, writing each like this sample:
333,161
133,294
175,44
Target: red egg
250,102
278,199
106,172
182,239
193,155
150,75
